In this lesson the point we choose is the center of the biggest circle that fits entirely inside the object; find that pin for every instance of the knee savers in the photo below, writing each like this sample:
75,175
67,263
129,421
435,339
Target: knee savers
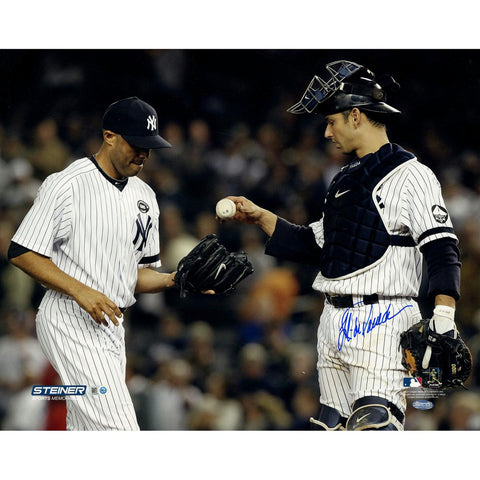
369,413
375,413
328,419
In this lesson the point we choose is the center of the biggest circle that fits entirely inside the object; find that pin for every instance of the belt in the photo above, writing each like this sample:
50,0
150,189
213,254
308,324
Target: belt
348,301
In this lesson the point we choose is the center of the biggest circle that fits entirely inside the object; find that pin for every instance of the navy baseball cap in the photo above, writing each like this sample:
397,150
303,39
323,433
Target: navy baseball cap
136,121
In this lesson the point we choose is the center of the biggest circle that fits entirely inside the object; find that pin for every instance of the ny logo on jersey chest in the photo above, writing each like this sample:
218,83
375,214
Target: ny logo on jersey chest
140,240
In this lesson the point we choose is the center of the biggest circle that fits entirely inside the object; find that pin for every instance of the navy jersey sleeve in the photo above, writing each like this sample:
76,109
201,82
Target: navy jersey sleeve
293,242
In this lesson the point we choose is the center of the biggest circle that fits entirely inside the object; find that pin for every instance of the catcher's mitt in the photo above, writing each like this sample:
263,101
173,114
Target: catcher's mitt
451,361
210,266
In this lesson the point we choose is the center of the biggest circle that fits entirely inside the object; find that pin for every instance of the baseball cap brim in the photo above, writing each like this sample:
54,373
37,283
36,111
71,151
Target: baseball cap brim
150,141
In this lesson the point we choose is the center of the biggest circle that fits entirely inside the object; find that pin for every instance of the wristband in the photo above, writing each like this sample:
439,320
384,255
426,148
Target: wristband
444,311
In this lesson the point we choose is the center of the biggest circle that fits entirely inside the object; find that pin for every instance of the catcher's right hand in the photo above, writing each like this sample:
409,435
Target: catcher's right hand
249,212
246,210
210,266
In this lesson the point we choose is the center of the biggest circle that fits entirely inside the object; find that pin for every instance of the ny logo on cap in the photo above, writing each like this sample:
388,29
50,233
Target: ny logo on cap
152,123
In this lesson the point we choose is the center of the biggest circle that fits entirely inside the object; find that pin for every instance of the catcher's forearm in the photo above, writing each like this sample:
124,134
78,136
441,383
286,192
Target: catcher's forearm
150,281
442,258
445,300
267,221
295,243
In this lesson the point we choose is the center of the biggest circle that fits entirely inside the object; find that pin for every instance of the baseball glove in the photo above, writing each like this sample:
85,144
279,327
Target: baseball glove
210,266
451,361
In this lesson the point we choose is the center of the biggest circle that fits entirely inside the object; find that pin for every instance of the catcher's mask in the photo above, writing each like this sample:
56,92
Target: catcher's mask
345,85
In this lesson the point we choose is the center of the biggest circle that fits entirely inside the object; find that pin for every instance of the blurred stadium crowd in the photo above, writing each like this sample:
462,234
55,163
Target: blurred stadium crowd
244,361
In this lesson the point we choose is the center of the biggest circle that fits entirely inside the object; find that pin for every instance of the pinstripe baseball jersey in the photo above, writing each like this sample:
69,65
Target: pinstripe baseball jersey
409,202
100,231
96,229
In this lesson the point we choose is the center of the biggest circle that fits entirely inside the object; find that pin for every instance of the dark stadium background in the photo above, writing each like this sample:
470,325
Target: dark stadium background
439,86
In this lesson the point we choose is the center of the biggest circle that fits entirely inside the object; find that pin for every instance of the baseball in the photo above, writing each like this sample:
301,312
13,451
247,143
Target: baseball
225,208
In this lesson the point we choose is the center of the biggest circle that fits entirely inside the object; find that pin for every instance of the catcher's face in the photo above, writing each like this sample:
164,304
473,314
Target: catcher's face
341,131
126,160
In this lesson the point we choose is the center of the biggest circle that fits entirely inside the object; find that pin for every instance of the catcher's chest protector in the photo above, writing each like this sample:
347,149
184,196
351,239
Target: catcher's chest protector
355,235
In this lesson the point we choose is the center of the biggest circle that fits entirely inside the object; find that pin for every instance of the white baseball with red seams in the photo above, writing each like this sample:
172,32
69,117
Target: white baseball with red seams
225,208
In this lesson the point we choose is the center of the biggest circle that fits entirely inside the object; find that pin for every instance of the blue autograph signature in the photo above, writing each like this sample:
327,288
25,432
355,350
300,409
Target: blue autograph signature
351,326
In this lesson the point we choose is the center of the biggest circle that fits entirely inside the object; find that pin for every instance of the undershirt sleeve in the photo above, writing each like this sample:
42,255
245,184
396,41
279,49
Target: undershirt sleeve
15,250
442,258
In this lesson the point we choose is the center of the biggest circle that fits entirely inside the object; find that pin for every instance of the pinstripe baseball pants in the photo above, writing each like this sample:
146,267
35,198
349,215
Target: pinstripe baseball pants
85,353
358,352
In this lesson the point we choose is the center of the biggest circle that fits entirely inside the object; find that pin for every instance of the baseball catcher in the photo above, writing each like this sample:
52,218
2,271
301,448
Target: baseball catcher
442,360
210,266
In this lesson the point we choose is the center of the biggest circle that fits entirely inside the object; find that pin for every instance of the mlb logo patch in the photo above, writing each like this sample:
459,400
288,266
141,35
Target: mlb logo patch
412,382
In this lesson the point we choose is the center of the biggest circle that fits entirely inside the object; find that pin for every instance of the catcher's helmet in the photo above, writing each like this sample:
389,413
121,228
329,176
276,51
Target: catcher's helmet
344,85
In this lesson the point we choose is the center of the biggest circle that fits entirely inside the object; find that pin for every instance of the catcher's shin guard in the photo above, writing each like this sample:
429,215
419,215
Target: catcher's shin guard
375,413
328,419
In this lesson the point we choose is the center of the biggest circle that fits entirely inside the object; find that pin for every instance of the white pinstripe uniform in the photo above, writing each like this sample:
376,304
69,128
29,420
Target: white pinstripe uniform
358,348
99,234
